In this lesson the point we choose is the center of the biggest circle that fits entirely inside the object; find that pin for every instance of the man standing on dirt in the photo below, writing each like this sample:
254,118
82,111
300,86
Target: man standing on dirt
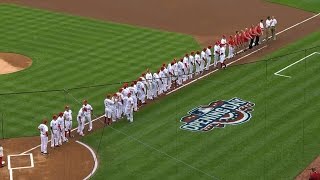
43,128
88,113
54,131
68,120
261,25
1,156
273,25
268,24
208,57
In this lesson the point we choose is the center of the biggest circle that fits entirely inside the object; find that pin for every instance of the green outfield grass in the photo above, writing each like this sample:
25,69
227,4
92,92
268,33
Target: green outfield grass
277,143
308,5
67,52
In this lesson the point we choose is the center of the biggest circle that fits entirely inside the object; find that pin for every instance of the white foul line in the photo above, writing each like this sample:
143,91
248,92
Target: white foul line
174,90
95,160
277,73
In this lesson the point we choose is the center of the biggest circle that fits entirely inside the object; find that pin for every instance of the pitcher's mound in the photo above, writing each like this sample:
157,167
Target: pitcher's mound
11,62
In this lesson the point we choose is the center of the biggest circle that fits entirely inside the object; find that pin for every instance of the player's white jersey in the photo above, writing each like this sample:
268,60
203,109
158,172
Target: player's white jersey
81,113
191,60
43,129
60,121
54,125
197,58
208,53
89,109
67,115
130,103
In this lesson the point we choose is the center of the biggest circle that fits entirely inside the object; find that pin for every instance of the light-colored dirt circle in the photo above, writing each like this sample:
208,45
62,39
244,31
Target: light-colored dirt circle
11,62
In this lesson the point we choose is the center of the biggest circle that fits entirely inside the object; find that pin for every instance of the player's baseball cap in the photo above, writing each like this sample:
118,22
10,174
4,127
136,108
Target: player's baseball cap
54,116
60,113
209,47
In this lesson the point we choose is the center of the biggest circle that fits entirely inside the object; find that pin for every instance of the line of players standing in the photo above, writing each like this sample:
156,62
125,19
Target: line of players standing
149,86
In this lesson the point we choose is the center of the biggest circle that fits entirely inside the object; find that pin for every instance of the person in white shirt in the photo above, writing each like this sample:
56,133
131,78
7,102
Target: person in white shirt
141,91
129,108
133,91
268,25
273,25
88,113
120,104
262,30
208,57
164,77
191,65
61,132
108,105
43,128
1,156
81,120
149,87
203,60
223,41
216,54
186,67
197,60
223,56
68,121
54,131
170,74
180,72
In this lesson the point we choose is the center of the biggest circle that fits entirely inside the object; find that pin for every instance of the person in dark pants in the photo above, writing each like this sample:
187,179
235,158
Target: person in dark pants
253,34
259,33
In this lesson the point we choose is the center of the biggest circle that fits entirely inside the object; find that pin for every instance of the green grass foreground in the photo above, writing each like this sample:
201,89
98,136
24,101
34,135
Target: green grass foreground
277,143
307,5
67,52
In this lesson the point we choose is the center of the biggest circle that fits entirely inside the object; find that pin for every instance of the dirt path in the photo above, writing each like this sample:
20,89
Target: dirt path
206,20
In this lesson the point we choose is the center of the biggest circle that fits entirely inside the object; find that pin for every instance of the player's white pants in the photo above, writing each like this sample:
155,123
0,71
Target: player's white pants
169,82
222,58
68,125
81,127
108,112
190,71
135,103
160,87
129,113
44,143
154,89
231,52
208,62
142,96
180,76
185,74
88,117
62,135
59,137
149,91
202,65
54,138
216,59
197,68
165,84
119,110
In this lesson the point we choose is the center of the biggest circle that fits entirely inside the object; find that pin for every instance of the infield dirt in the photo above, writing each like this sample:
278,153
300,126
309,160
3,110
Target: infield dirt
205,20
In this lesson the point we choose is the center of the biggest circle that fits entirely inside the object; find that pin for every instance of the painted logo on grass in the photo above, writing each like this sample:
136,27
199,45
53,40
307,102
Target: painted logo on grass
218,114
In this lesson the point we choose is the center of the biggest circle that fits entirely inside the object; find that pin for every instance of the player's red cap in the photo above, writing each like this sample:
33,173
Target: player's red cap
187,54
217,43
224,36
61,114
192,52
135,82
115,94
164,64
204,49
209,47
198,52
162,68
143,74
140,79
120,90
54,116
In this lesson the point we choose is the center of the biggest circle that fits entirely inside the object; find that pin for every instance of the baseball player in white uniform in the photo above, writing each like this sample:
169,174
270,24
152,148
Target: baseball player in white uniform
149,83
155,85
67,114
164,78
108,103
133,91
170,75
88,113
216,54
222,56
120,104
43,128
81,120
203,60
1,157
186,67
141,91
197,59
191,65
208,57
61,132
54,131
129,108
181,73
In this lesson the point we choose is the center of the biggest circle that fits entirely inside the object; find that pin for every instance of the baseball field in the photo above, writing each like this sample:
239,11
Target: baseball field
78,55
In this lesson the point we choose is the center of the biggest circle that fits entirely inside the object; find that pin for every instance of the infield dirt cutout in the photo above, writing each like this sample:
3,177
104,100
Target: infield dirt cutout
11,62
